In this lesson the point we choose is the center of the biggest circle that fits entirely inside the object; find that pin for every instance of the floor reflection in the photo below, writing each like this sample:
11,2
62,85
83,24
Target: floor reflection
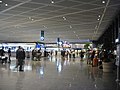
59,72
19,83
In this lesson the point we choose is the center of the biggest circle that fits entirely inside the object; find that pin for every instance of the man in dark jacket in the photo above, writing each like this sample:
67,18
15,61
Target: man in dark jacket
2,52
20,56
3,58
9,55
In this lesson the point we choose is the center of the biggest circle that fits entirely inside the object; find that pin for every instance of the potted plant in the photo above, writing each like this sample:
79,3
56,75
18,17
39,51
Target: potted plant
108,62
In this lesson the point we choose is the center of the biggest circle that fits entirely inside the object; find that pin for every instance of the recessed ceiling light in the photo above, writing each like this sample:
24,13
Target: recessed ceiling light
103,1
32,19
64,18
6,4
98,19
98,15
0,1
52,1
44,26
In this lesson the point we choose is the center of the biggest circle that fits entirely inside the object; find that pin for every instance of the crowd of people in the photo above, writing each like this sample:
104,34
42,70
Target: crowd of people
94,58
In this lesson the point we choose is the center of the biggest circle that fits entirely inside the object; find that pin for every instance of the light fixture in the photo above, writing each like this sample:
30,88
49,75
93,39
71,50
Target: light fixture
6,4
98,15
103,1
52,1
44,26
98,19
1,1
30,18
64,18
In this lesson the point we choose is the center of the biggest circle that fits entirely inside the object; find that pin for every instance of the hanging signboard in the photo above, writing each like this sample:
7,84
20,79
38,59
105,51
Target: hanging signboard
42,35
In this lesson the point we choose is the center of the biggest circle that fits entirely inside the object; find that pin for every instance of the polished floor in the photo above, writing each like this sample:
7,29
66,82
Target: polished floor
56,73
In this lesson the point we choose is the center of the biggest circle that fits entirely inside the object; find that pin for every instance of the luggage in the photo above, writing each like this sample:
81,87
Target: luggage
3,59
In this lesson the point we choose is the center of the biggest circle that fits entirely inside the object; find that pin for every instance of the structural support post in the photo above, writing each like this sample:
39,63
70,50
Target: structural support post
118,51
118,63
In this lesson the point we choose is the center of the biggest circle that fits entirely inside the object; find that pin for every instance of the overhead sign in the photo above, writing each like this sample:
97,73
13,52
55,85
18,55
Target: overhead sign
42,35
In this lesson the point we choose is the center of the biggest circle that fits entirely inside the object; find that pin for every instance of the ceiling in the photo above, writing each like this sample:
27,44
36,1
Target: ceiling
70,20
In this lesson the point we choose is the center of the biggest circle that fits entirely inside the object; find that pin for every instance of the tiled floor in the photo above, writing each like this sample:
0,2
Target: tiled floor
56,74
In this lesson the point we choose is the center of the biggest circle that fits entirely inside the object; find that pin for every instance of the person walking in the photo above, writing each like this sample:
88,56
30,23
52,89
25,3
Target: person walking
81,55
2,52
9,55
20,56
39,53
95,61
34,54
